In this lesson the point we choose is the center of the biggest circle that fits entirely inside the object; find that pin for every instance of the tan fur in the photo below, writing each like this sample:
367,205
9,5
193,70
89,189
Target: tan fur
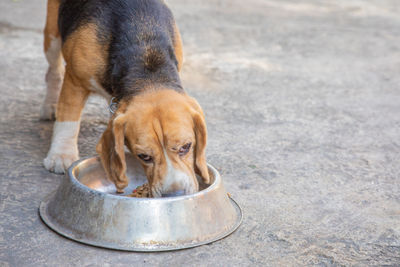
178,47
158,122
153,121
51,28
112,154
85,58
201,142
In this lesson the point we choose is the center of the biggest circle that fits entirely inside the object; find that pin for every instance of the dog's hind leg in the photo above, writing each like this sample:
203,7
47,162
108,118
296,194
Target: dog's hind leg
55,72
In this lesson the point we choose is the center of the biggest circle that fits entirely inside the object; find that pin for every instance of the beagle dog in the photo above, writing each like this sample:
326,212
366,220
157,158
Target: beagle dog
131,51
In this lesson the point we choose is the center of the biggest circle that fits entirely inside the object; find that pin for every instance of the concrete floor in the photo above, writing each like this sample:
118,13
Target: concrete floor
302,100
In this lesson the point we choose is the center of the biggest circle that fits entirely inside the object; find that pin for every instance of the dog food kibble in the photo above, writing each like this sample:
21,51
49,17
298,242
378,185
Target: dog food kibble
141,191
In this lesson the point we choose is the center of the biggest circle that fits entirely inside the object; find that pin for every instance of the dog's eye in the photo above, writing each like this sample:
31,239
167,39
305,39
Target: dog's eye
184,149
145,158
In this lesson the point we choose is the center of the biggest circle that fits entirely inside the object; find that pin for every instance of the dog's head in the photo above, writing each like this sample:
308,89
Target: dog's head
167,132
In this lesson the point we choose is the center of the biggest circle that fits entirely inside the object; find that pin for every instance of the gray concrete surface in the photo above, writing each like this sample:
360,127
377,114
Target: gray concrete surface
303,108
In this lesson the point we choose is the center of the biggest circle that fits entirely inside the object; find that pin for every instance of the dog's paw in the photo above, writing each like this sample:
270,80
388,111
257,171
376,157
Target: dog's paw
59,163
48,112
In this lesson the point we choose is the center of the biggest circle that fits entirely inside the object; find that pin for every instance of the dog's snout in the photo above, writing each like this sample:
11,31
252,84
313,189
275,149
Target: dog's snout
174,194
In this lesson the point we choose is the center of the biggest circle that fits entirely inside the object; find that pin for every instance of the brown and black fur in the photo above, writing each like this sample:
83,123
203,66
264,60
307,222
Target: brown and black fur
130,50
139,38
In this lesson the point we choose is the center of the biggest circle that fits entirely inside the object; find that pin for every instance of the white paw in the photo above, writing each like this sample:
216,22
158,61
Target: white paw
64,149
48,111
58,162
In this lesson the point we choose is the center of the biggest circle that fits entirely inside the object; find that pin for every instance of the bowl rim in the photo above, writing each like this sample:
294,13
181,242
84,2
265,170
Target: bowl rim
69,233
76,182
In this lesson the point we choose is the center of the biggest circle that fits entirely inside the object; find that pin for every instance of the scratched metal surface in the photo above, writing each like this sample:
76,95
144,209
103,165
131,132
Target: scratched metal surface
85,208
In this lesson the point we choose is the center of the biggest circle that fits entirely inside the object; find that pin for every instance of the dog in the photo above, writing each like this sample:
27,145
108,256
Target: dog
129,51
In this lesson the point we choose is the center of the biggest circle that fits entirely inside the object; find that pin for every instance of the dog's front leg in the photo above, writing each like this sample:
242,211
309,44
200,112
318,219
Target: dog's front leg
64,147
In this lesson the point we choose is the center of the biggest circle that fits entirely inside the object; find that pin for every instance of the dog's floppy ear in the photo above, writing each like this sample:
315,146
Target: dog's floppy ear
111,151
200,131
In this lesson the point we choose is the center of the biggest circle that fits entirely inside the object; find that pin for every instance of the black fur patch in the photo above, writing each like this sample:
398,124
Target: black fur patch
138,35
153,59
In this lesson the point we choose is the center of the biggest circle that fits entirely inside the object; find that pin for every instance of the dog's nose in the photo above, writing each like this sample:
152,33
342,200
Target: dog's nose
174,194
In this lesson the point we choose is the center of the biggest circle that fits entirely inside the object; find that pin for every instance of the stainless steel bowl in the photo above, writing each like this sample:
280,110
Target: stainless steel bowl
86,208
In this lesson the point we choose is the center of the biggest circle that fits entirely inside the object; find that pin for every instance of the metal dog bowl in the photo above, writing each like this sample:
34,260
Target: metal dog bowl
86,208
